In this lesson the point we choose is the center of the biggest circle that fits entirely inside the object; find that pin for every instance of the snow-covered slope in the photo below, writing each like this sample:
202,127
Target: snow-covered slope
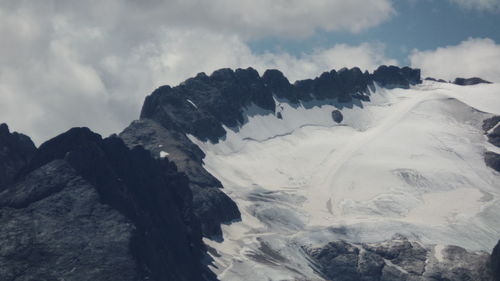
408,162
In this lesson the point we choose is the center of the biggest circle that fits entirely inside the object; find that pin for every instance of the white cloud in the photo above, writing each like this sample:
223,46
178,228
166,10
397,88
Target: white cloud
183,54
470,58
486,5
70,63
254,18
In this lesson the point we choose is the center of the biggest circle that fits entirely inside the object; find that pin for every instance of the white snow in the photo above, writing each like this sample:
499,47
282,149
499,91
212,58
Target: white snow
409,162
438,252
163,154
192,103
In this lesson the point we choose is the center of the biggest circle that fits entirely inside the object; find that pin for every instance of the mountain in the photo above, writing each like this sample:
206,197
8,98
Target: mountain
236,176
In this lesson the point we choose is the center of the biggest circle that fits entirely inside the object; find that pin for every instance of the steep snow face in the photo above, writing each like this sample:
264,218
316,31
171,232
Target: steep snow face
408,162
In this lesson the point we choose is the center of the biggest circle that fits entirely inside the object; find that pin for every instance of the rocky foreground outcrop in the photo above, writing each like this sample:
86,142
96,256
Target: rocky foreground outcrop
400,259
87,208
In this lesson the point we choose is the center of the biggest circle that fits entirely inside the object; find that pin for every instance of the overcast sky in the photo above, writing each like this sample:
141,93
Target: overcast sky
66,63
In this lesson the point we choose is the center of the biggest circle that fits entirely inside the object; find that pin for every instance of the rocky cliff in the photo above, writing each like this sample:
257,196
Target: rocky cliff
87,208
491,127
15,152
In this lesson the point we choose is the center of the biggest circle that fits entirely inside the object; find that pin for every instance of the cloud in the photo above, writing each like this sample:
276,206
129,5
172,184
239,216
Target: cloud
484,5
248,18
473,57
183,54
70,63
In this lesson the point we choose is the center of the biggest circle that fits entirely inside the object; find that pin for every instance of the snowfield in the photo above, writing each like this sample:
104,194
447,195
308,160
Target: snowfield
408,162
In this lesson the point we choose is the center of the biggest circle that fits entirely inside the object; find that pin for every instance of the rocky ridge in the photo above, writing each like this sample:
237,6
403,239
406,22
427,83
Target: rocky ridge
203,105
491,128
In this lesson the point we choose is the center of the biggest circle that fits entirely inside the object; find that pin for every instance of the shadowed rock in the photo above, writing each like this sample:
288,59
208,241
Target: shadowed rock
15,152
212,206
491,128
470,81
435,80
492,159
495,262
400,259
337,116
87,208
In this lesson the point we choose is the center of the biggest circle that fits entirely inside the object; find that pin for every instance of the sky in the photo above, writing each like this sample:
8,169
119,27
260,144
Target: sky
67,63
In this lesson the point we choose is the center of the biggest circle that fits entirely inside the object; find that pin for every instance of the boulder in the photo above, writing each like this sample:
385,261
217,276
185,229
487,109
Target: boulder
337,116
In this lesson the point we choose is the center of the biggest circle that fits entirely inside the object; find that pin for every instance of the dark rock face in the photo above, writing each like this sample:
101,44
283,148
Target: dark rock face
201,105
15,152
62,232
337,116
398,259
494,136
492,159
395,77
495,262
87,208
435,80
490,123
210,204
218,100
338,261
491,127
470,81
155,138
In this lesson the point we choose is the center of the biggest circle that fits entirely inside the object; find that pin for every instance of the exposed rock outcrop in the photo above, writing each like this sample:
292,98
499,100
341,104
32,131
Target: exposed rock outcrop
395,77
470,81
15,152
491,127
495,262
398,259
87,208
212,206
435,80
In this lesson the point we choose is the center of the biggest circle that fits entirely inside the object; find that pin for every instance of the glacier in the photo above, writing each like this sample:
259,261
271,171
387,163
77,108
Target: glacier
408,162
